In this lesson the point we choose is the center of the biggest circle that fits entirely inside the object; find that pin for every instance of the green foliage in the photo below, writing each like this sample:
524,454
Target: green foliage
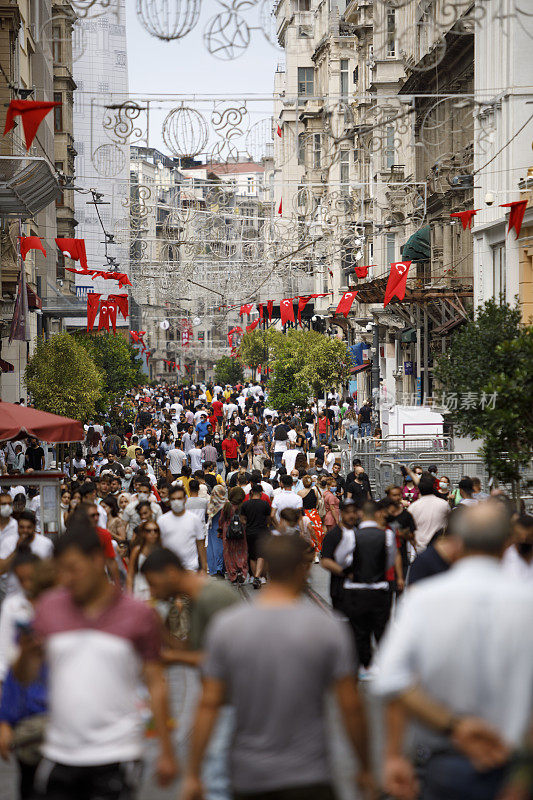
253,349
116,359
228,370
509,427
303,364
63,378
492,354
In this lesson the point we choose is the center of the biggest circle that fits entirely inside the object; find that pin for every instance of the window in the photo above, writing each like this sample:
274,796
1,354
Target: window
302,5
60,201
301,148
317,151
389,146
344,77
356,74
306,81
390,244
391,32
345,169
56,44
498,272
58,112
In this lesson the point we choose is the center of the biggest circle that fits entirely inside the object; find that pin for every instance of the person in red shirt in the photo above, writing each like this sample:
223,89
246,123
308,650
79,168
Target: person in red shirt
218,412
230,448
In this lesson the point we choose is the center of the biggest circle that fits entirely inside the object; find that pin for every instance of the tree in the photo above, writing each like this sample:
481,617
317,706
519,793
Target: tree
228,370
63,378
304,364
508,428
116,358
485,376
253,350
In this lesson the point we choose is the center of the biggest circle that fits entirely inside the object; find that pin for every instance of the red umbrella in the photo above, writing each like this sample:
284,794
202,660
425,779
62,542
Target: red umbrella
17,421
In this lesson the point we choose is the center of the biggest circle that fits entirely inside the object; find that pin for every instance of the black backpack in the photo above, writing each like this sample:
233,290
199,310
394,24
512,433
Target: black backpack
235,528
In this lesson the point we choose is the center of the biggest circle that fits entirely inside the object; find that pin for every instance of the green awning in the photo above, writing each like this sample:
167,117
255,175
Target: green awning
418,246
408,335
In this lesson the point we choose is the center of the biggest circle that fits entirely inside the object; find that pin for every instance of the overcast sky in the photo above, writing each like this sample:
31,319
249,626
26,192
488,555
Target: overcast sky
184,66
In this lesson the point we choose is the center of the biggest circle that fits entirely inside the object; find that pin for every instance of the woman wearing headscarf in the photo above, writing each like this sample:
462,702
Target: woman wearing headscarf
215,547
233,535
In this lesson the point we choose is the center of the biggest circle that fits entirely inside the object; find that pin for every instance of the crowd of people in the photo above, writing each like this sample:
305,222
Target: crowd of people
207,490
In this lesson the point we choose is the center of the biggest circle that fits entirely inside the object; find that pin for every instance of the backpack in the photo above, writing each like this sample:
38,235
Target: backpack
235,528
111,446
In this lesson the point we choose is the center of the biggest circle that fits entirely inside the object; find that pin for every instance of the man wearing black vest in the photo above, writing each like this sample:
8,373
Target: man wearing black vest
337,551
367,596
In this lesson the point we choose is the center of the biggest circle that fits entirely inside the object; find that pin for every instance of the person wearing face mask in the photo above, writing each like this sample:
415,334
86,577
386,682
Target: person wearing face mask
182,531
517,561
130,515
126,480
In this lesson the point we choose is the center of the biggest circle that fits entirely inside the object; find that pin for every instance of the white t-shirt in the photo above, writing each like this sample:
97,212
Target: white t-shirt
286,499
40,546
180,534
288,459
177,410
329,461
195,458
229,408
268,489
430,514
176,458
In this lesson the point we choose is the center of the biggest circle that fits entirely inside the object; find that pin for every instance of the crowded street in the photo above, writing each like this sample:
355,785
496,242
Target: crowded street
266,417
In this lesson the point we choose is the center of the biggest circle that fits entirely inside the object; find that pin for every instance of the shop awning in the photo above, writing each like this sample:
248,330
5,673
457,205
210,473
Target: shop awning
360,368
34,301
27,185
408,336
418,246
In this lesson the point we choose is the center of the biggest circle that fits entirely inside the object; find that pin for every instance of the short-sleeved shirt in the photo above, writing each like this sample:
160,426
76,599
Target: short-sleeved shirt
94,671
256,513
230,448
277,688
180,532
106,541
214,596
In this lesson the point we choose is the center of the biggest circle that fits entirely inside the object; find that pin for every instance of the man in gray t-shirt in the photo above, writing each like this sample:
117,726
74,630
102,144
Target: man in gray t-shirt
274,662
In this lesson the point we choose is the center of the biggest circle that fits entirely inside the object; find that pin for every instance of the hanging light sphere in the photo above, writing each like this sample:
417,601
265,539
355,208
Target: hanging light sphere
185,132
168,19
227,35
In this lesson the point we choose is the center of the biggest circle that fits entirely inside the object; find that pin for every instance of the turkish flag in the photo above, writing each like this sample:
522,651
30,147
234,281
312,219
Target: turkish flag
121,303
397,282
245,309
466,217
516,215
30,243
287,311
93,302
252,326
32,112
260,307
280,209
279,131
362,272
104,319
270,309
345,303
302,302
74,249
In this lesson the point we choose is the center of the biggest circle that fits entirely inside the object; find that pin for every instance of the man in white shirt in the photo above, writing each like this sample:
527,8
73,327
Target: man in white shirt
286,497
25,537
429,512
175,460
195,458
177,411
229,409
288,459
445,662
182,531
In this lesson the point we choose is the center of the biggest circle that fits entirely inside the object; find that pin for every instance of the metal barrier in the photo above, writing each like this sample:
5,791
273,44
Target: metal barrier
454,466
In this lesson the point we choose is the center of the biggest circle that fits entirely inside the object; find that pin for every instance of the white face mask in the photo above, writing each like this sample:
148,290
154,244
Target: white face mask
177,505
6,511
143,495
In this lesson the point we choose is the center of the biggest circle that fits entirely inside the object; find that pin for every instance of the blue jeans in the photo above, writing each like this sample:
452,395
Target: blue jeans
215,548
450,776
365,429
277,459
353,431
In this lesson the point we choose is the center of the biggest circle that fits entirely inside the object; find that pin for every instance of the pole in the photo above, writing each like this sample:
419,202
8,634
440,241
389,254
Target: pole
375,369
